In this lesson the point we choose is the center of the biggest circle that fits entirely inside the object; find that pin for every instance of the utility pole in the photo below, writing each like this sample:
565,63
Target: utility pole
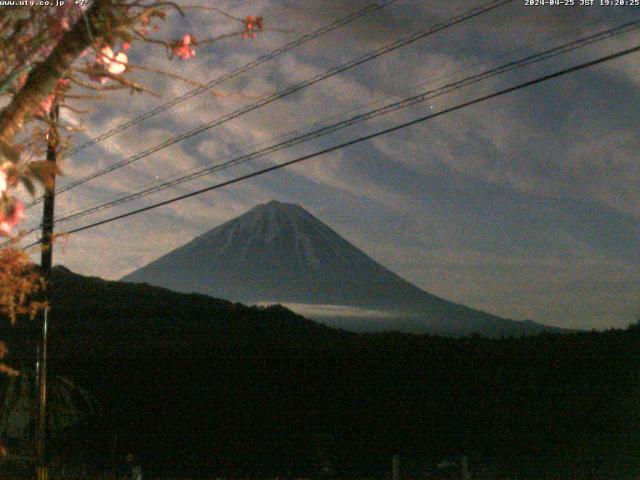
46,259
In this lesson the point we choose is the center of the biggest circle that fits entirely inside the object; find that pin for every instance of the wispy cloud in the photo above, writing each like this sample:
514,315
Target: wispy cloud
334,311
526,206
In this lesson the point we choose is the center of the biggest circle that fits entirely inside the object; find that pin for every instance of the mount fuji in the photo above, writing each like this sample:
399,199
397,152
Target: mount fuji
280,253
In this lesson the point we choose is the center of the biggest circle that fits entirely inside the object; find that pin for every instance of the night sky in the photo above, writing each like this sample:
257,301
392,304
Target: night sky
526,206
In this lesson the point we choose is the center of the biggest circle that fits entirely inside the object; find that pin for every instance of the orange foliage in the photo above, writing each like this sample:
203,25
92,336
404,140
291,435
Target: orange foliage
19,282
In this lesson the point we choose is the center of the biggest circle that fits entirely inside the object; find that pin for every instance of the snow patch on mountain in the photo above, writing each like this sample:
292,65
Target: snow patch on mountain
280,253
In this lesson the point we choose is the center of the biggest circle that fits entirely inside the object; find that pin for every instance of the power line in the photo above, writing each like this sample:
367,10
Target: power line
194,170
292,89
291,134
386,109
295,88
624,28
355,141
234,73
223,78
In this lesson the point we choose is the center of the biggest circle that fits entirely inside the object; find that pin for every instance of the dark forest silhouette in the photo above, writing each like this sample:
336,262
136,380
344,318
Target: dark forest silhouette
193,384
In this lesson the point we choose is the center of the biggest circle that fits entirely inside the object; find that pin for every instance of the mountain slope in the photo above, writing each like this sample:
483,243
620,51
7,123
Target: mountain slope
127,320
198,387
280,253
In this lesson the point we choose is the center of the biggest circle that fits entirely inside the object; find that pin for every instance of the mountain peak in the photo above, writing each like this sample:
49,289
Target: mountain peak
278,205
278,252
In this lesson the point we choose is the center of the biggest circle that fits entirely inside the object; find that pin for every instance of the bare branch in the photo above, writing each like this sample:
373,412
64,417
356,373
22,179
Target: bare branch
194,83
214,9
42,79
93,86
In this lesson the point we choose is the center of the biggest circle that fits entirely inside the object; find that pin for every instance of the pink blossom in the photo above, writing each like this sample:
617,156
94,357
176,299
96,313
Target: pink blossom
47,103
114,63
183,48
11,217
251,24
105,55
119,64
3,181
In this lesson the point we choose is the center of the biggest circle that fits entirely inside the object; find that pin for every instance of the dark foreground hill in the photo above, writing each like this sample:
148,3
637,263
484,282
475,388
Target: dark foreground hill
192,384
280,253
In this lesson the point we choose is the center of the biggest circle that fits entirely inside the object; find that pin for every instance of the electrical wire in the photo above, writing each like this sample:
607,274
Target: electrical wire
420,34
361,139
377,101
234,73
386,109
223,78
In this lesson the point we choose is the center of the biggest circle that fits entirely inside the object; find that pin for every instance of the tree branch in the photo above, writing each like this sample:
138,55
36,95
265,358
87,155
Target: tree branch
44,77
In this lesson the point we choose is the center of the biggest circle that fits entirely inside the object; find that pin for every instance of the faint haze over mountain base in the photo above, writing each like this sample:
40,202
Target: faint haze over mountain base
362,320
280,253
212,389
526,207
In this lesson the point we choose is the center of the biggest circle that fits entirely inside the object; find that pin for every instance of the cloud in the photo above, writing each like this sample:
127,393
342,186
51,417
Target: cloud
525,206
334,311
